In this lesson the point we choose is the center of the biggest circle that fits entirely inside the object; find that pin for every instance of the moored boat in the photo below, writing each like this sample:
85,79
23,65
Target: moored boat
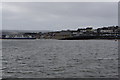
18,38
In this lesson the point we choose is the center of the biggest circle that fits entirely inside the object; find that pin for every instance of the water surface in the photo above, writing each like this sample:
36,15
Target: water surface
59,58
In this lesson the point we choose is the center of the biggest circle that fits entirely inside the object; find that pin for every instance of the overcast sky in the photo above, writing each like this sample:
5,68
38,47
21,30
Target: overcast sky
58,16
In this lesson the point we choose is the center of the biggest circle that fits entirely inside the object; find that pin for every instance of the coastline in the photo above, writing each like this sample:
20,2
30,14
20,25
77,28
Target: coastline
61,39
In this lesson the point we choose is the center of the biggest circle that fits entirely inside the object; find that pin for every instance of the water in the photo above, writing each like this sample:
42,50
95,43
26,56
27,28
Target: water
59,58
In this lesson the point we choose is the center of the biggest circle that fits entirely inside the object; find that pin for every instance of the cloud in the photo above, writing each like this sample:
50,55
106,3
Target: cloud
0,16
58,15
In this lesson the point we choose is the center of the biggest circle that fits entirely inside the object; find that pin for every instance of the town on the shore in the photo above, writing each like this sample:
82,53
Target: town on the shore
110,32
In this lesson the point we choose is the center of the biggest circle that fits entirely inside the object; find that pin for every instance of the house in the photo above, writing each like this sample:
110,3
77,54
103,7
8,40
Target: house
82,30
112,30
74,33
106,30
85,31
32,35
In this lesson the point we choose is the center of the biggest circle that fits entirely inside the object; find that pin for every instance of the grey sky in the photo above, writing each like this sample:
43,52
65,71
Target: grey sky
58,15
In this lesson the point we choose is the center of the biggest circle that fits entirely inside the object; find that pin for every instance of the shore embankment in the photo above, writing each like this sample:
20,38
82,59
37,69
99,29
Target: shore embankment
72,38
91,37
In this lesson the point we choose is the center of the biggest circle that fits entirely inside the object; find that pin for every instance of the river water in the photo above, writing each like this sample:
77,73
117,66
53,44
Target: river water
59,58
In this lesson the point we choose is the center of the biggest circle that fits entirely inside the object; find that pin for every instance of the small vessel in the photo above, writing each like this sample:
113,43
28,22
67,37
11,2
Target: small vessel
18,38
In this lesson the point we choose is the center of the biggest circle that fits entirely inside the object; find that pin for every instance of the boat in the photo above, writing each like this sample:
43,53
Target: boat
18,38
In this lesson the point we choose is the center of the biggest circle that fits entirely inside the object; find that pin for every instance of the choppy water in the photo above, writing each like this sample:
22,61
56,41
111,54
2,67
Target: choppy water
58,59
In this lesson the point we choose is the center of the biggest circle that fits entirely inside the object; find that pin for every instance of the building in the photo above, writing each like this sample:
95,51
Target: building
112,30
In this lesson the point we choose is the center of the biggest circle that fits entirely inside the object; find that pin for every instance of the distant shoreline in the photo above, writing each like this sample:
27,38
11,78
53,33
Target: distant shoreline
59,39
